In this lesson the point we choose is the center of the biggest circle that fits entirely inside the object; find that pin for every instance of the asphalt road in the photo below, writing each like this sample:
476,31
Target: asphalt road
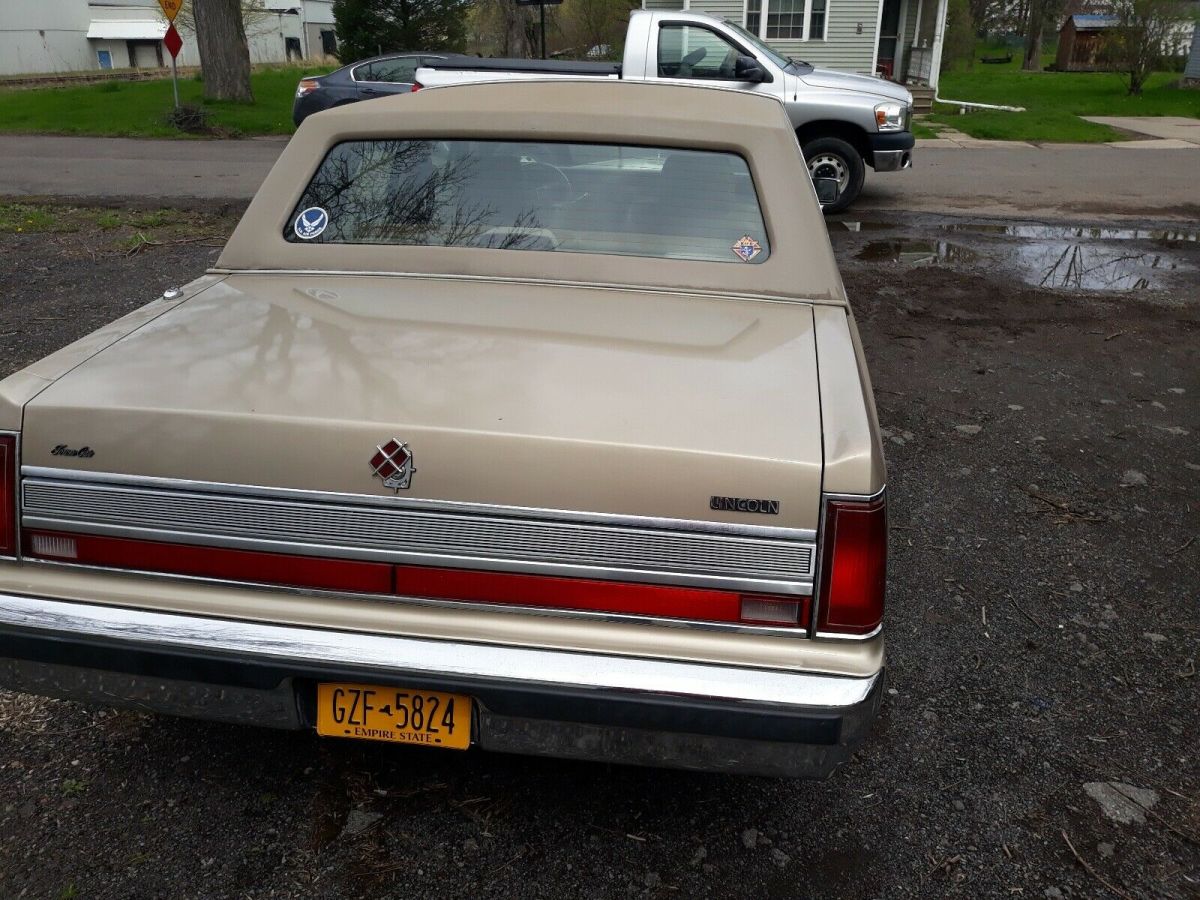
1042,635
987,179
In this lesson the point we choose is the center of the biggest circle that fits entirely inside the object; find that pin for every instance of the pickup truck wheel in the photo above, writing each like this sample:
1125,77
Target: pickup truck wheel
830,157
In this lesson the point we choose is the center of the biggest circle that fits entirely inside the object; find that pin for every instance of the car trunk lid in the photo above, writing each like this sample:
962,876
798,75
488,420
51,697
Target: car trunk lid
513,395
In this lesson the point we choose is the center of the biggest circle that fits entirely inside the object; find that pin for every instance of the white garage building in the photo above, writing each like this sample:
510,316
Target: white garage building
46,36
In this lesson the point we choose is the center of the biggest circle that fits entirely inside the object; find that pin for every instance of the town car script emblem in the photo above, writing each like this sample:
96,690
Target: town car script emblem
393,462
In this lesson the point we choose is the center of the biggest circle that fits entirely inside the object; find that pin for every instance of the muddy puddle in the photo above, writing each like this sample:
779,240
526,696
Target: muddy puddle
1062,257
916,252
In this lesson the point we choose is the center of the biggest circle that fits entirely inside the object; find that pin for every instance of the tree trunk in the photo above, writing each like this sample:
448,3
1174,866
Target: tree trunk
1033,37
224,54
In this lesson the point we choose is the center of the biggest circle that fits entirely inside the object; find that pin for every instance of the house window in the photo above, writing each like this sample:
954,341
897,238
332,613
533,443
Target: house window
785,19
754,16
816,20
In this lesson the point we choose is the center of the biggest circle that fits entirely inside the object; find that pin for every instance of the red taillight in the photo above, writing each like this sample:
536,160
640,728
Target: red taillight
416,86
8,494
853,567
550,592
212,562
462,585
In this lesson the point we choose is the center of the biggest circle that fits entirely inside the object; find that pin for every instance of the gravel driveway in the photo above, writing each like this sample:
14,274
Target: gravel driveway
1038,738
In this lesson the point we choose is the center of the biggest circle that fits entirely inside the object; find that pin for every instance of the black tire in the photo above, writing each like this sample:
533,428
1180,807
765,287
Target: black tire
831,157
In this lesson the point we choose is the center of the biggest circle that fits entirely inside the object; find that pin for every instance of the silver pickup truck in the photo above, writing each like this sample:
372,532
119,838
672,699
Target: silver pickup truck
844,122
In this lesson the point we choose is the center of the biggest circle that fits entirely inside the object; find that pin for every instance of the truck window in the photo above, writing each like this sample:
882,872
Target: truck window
692,51
523,195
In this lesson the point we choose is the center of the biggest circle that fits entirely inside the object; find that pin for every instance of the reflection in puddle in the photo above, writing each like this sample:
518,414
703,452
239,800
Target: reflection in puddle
1062,257
916,252
1087,267
864,226
1077,232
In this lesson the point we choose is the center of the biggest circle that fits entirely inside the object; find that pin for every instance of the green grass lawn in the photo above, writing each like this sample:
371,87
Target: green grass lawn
1054,101
137,108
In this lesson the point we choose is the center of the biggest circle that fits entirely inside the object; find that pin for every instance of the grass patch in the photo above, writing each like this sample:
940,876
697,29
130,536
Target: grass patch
139,108
1054,101
16,218
923,131
124,230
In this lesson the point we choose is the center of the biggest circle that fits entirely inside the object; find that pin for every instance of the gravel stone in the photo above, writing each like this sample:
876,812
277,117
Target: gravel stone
1121,802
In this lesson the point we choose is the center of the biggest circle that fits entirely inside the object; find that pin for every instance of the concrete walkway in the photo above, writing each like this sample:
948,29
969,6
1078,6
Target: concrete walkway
995,178
1171,131
1175,133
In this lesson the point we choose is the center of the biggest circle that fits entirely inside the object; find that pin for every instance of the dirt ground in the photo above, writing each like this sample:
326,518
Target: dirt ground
1043,627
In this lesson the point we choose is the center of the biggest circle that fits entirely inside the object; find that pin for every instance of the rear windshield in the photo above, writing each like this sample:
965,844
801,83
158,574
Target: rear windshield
509,195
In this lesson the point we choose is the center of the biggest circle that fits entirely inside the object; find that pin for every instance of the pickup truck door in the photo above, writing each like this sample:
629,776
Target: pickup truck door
688,52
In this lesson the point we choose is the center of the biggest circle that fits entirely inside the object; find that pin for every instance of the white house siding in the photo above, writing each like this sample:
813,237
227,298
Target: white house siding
40,36
843,48
46,36
318,17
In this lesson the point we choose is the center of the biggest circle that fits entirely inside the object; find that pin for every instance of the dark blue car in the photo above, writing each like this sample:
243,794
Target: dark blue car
380,76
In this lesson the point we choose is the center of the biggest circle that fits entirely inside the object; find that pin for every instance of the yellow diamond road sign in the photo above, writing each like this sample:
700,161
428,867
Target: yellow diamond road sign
171,8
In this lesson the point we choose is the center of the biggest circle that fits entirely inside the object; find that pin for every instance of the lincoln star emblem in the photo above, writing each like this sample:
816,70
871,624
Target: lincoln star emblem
393,462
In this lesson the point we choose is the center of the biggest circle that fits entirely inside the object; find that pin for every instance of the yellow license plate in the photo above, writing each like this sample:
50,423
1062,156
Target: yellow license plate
402,716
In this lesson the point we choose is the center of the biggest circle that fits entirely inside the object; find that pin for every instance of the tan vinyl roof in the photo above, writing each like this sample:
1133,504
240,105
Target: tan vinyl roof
801,263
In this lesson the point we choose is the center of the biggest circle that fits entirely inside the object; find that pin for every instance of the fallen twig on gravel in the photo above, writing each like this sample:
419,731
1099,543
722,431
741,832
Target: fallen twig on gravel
1021,610
1187,836
1100,878
1063,507
1182,546
142,242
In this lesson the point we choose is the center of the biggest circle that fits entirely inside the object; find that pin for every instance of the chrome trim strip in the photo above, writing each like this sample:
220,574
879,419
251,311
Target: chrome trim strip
551,282
699,526
418,656
547,612
832,636
420,537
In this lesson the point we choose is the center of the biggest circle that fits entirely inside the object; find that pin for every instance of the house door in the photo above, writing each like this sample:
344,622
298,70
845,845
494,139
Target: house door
889,39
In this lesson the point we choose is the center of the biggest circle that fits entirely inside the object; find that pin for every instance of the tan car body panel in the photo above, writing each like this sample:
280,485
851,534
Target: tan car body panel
853,449
527,396
19,388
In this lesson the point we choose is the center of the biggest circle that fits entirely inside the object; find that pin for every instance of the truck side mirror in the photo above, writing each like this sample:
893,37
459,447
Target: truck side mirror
746,68
827,190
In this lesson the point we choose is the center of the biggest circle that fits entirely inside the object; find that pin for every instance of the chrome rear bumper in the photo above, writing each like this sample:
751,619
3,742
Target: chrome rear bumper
543,702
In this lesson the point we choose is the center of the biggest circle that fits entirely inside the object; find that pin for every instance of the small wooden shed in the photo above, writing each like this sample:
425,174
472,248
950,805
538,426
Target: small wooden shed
1081,43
